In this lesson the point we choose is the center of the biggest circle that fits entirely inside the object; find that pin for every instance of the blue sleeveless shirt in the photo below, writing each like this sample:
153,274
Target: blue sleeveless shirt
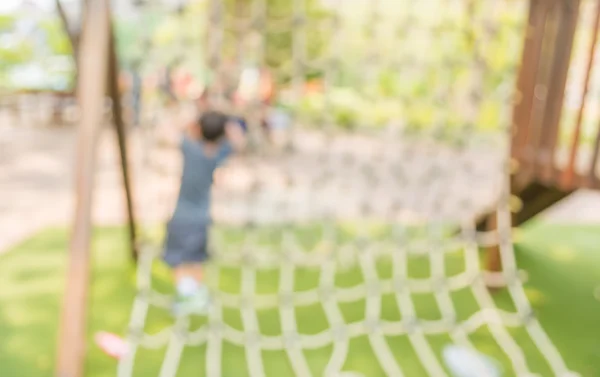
193,203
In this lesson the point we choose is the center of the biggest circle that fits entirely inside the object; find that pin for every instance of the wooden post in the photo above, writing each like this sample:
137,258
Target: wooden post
117,111
73,37
569,16
526,82
494,259
93,60
592,178
543,81
522,110
569,173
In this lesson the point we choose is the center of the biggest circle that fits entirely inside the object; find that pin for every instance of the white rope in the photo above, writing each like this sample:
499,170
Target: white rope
250,321
335,319
175,348
340,334
376,337
213,340
288,321
409,315
422,184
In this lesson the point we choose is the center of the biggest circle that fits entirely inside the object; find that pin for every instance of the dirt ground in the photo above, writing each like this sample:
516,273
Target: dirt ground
37,183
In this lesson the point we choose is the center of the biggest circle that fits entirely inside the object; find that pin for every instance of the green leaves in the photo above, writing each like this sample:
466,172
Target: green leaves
7,21
56,37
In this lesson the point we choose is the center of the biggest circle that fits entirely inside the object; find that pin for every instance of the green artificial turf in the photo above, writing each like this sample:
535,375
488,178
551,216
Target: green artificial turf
562,264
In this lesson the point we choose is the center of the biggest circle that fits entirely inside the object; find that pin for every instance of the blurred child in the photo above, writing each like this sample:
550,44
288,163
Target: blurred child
208,142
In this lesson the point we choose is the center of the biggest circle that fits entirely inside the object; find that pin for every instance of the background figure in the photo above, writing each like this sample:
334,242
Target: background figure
256,85
136,96
166,86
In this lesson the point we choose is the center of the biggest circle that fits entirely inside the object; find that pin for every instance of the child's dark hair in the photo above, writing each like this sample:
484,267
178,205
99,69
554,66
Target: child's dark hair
212,125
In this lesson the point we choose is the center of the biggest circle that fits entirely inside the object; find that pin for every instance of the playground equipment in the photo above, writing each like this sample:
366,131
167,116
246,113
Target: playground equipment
550,159
423,193
97,62
549,170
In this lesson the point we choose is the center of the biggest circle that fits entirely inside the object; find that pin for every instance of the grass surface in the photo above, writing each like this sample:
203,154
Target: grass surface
562,263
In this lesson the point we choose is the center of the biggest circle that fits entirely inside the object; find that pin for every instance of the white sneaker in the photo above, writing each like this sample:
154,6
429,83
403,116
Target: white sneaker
466,362
197,303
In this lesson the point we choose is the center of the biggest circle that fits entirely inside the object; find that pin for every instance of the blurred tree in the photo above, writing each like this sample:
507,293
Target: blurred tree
7,21
131,42
19,53
179,37
13,51
175,37
456,40
281,22
71,31
57,39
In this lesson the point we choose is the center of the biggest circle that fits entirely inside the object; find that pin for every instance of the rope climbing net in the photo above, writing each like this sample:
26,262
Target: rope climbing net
397,209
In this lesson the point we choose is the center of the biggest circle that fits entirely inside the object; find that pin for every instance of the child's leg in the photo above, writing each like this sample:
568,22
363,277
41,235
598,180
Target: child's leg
192,299
194,270
188,277
186,252
193,296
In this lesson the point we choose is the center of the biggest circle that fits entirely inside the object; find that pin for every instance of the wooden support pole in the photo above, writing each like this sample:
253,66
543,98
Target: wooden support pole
569,17
526,82
522,111
592,179
494,259
117,112
91,90
542,94
569,173
73,37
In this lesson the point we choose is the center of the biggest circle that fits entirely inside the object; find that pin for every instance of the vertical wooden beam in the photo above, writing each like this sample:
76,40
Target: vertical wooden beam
91,90
522,110
569,16
73,37
526,82
537,127
494,259
592,179
569,173
117,112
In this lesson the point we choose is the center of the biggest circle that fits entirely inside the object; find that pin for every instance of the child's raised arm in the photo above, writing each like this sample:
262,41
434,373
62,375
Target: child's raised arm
235,135
192,130
171,133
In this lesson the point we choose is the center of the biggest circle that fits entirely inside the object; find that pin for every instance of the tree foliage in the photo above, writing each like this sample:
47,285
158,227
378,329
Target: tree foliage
12,51
56,37
20,53
182,37
7,21
279,26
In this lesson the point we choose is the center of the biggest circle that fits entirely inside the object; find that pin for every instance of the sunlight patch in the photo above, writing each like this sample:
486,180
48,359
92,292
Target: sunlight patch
535,296
562,253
